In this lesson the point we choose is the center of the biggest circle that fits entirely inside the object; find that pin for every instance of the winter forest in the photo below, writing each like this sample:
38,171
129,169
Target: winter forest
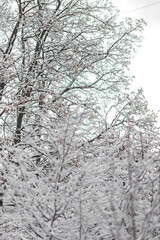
79,150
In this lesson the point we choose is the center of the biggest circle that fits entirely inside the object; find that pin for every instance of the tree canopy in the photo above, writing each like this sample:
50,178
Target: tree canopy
79,152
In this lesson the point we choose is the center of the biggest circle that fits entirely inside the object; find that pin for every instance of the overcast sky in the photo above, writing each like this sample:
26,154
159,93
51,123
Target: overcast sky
146,64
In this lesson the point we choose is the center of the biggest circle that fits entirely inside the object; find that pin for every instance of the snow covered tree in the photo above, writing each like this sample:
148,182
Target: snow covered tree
67,170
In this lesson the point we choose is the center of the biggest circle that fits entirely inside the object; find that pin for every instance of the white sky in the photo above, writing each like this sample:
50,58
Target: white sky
146,64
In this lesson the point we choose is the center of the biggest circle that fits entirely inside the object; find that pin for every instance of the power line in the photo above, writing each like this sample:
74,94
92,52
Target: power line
136,9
